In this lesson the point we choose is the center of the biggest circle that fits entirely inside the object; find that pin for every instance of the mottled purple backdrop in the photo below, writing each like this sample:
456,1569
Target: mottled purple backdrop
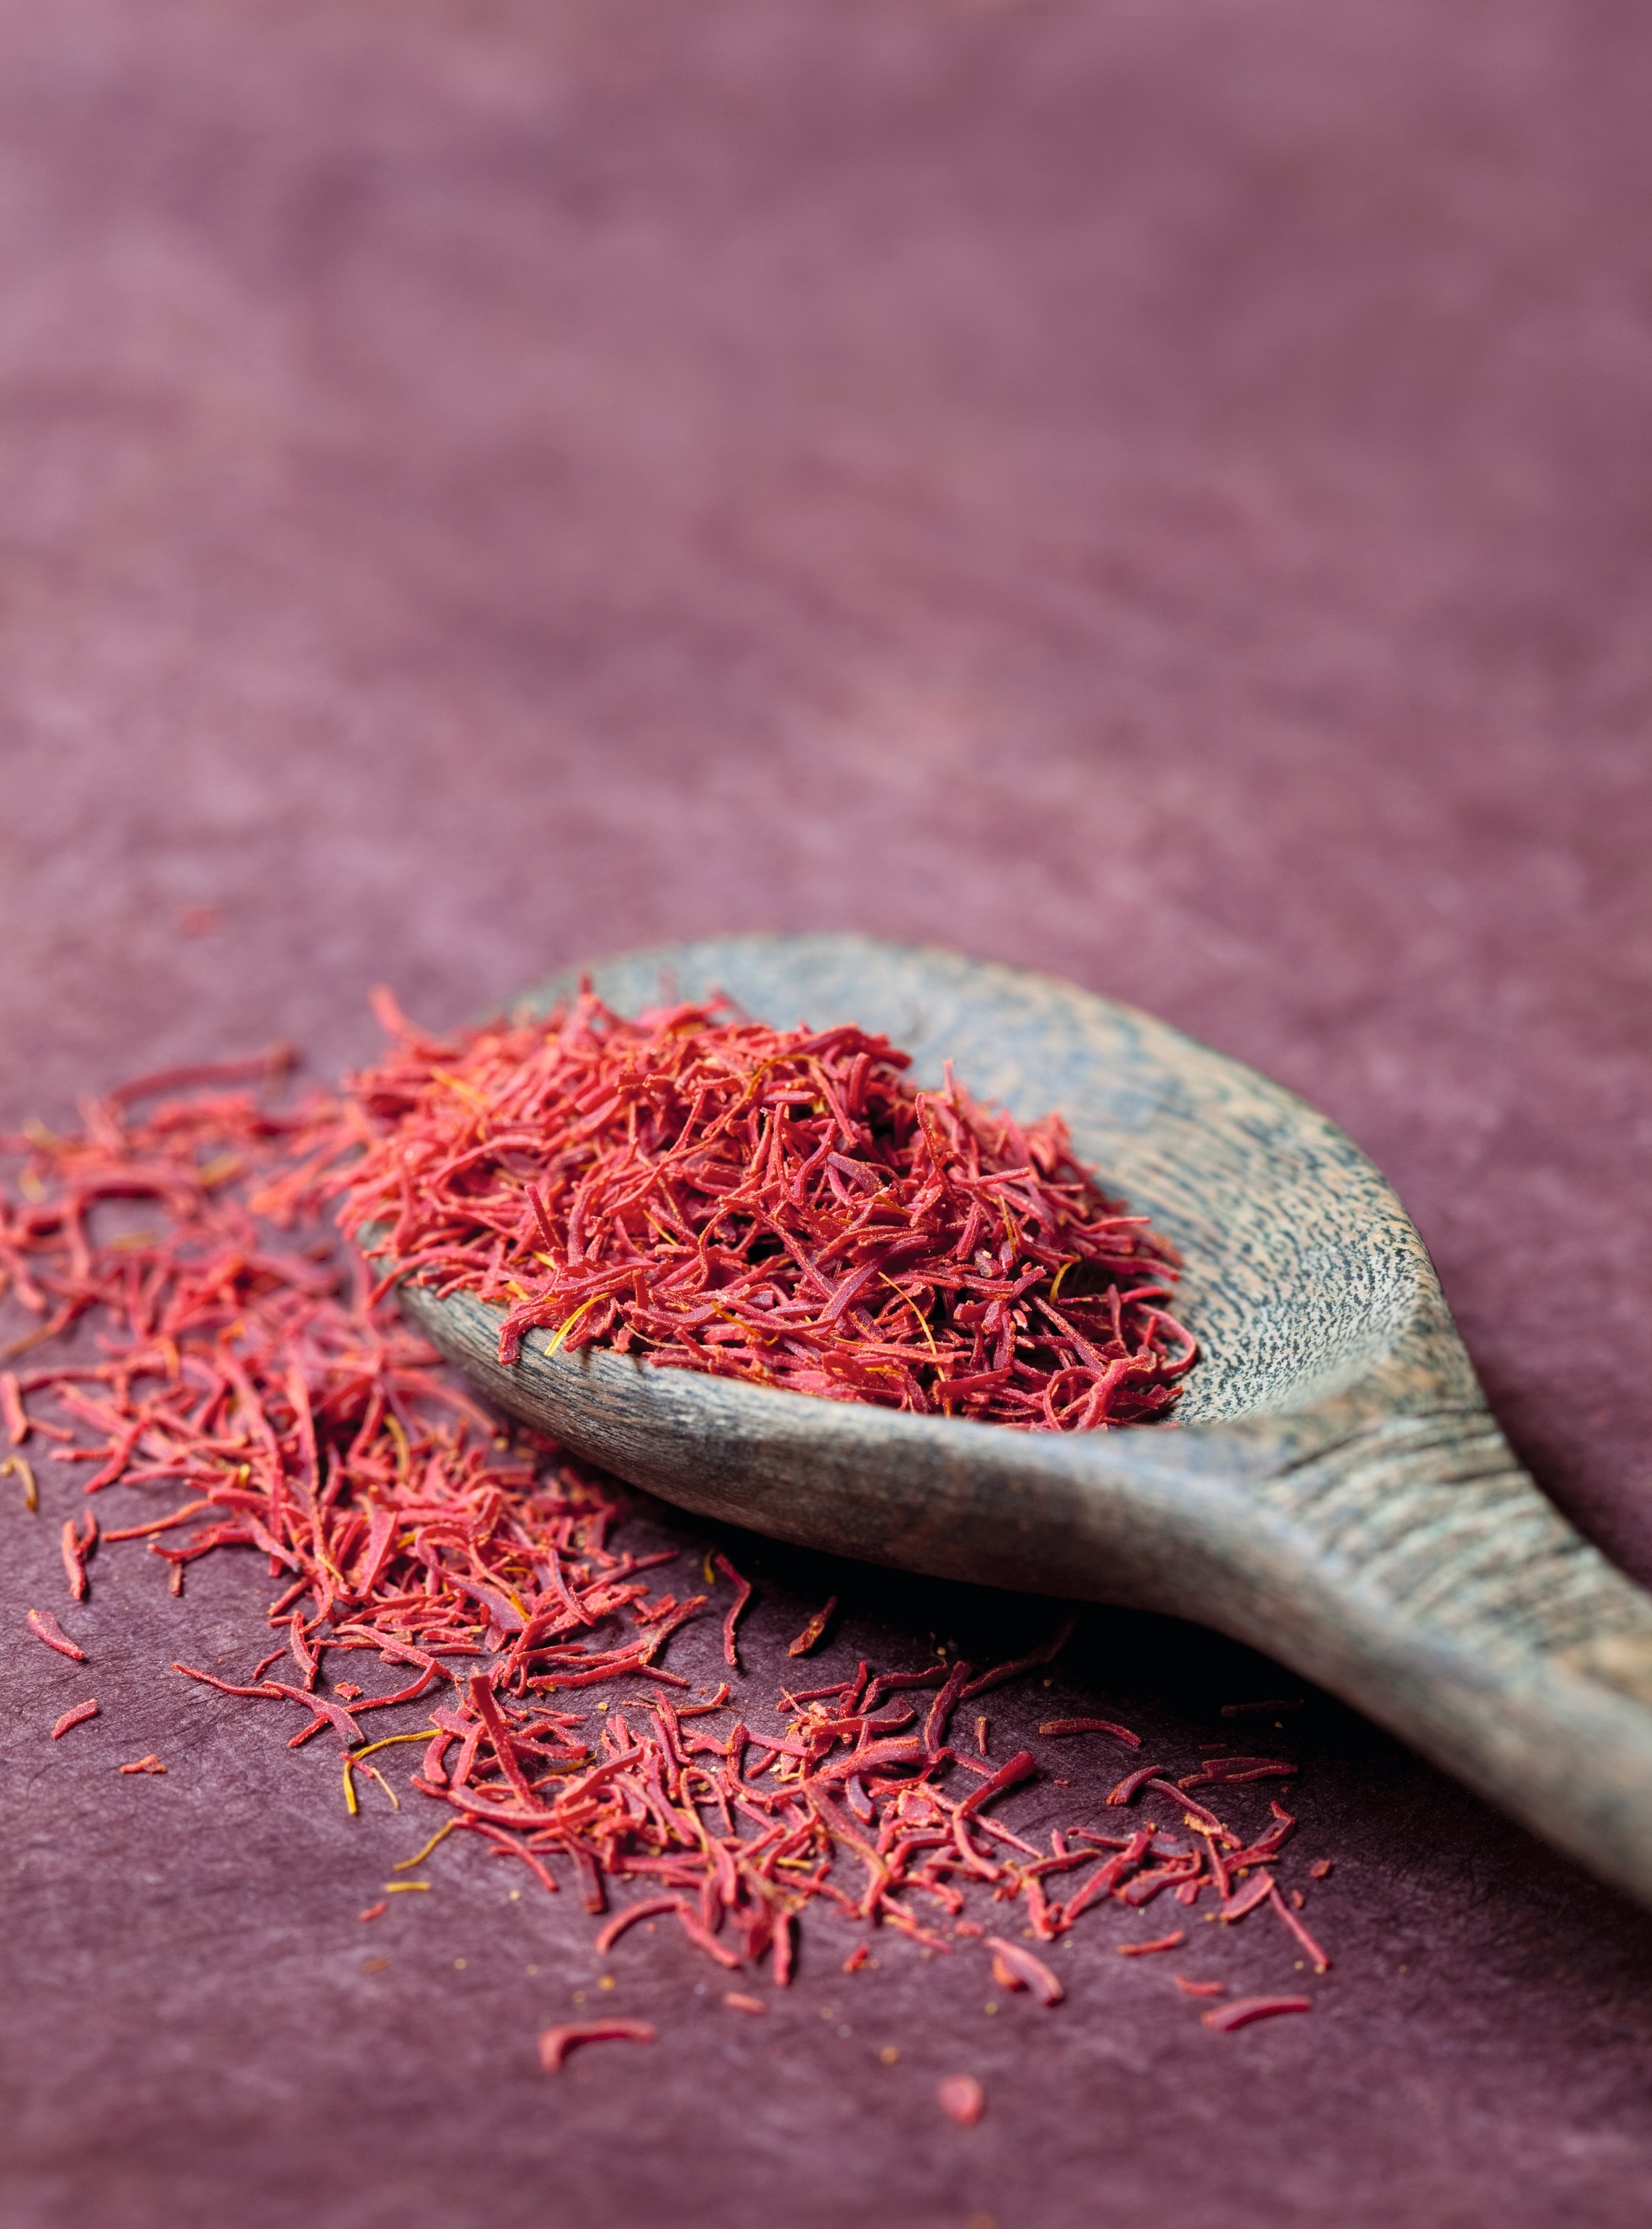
1158,492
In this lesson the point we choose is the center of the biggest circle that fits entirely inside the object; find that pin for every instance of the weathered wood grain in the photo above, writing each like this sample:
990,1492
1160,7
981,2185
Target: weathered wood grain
1335,1491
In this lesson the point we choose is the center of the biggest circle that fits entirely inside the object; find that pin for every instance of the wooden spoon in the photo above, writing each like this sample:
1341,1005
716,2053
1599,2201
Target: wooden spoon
1335,1492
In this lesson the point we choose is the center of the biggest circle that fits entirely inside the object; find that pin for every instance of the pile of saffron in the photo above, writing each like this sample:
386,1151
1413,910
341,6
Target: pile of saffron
782,1207
229,1353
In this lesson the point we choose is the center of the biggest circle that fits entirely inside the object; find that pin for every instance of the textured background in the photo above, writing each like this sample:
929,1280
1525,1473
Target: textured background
1153,491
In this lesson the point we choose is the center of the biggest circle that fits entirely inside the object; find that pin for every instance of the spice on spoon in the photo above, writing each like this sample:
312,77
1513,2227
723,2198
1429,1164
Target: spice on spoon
780,1205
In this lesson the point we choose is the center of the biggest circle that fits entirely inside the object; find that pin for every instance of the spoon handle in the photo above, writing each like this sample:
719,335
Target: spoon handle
1417,1570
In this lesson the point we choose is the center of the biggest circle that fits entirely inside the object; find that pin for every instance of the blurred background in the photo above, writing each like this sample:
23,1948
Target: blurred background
1156,490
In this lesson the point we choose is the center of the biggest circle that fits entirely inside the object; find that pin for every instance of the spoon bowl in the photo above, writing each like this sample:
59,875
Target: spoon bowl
1334,1490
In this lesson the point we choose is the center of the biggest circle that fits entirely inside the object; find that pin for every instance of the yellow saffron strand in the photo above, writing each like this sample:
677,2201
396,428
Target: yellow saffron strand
395,1801
569,1325
15,1466
402,1864
923,1323
387,1741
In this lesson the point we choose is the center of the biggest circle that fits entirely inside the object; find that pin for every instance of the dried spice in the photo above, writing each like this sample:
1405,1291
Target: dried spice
1060,1726
557,2042
1244,2010
15,1467
815,1632
1160,1943
962,2099
783,1206
1014,1967
238,1358
12,1413
45,1627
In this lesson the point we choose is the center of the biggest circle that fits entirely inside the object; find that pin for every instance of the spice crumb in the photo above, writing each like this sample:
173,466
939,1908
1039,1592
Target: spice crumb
374,1965
962,2099
890,2055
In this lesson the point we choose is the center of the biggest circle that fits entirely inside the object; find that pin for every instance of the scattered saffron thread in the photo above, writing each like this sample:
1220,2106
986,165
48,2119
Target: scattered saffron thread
45,1627
251,1361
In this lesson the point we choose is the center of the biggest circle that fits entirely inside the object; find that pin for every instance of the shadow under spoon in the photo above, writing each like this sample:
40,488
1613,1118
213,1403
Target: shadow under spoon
1335,1491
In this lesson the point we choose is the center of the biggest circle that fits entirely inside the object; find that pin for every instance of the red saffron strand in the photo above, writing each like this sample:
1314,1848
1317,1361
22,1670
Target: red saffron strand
12,1412
1243,2010
1161,1943
649,1907
556,2043
736,1609
45,1627
1134,1782
77,1717
1092,1726
76,1547
1020,1969
1318,1958
814,1631
1256,1891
